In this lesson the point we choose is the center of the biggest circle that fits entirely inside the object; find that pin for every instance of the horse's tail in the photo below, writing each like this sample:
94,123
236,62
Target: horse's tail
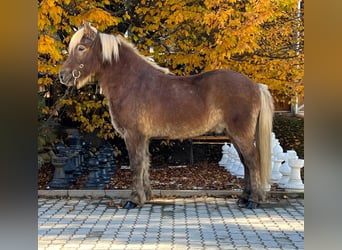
263,134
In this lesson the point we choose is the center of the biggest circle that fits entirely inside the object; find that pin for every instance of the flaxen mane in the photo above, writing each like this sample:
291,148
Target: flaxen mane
110,47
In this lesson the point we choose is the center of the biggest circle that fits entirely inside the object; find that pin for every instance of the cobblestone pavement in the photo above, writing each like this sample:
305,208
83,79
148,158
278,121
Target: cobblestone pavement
180,223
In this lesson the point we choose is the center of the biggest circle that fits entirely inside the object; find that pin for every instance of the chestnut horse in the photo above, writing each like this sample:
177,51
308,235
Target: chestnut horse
147,101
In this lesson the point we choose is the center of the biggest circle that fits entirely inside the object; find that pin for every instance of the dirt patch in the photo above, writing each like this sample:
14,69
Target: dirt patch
206,176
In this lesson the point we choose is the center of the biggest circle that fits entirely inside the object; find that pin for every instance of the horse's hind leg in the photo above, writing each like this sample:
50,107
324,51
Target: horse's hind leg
137,147
243,199
250,158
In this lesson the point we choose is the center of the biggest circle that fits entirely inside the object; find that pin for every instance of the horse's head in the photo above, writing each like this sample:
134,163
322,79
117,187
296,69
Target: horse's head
80,66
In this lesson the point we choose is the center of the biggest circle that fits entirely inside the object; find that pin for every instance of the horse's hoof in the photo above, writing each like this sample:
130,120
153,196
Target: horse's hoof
242,202
130,205
251,205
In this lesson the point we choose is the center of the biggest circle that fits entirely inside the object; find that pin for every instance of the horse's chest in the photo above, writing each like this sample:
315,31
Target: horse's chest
115,119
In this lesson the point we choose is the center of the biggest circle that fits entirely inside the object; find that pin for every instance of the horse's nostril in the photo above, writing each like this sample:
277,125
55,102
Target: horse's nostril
62,76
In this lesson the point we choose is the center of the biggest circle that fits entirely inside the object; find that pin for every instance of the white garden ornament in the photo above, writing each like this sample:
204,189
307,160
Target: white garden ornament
295,183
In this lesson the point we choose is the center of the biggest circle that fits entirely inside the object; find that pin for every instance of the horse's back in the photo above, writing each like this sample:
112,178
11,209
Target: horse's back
228,88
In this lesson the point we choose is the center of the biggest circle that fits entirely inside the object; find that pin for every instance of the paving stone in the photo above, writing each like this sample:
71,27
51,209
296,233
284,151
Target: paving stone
182,223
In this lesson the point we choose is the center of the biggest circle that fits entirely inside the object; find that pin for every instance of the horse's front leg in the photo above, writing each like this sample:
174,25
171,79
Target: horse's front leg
137,147
146,178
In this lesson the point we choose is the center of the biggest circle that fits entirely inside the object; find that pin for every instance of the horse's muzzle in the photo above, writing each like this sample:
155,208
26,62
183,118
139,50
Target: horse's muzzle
65,77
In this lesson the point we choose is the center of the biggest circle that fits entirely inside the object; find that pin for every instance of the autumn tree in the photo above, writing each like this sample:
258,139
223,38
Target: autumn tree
260,38
57,20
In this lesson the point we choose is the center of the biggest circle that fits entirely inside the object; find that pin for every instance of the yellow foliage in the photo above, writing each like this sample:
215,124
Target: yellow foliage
48,45
100,17
260,38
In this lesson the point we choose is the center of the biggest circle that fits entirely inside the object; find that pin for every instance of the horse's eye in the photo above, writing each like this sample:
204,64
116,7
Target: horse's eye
81,48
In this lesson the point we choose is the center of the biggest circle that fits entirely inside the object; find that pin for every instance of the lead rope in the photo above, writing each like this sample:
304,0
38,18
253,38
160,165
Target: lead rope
59,103
76,74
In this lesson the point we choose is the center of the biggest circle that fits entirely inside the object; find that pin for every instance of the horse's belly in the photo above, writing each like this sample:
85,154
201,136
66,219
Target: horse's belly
183,126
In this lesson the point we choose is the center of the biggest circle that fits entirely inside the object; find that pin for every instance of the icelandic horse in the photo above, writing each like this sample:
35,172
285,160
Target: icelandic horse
146,101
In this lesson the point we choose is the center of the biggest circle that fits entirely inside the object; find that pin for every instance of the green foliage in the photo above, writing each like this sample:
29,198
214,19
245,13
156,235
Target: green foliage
46,129
47,133
290,131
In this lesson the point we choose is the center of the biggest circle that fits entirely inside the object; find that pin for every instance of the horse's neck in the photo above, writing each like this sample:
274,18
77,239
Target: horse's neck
118,79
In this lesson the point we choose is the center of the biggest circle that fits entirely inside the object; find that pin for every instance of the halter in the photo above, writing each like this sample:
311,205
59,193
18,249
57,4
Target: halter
77,73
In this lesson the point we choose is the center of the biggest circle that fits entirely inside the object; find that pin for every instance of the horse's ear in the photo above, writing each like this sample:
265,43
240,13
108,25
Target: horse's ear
89,31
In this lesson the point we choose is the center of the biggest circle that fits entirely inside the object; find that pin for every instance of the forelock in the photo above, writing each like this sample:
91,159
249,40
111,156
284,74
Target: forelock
76,38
